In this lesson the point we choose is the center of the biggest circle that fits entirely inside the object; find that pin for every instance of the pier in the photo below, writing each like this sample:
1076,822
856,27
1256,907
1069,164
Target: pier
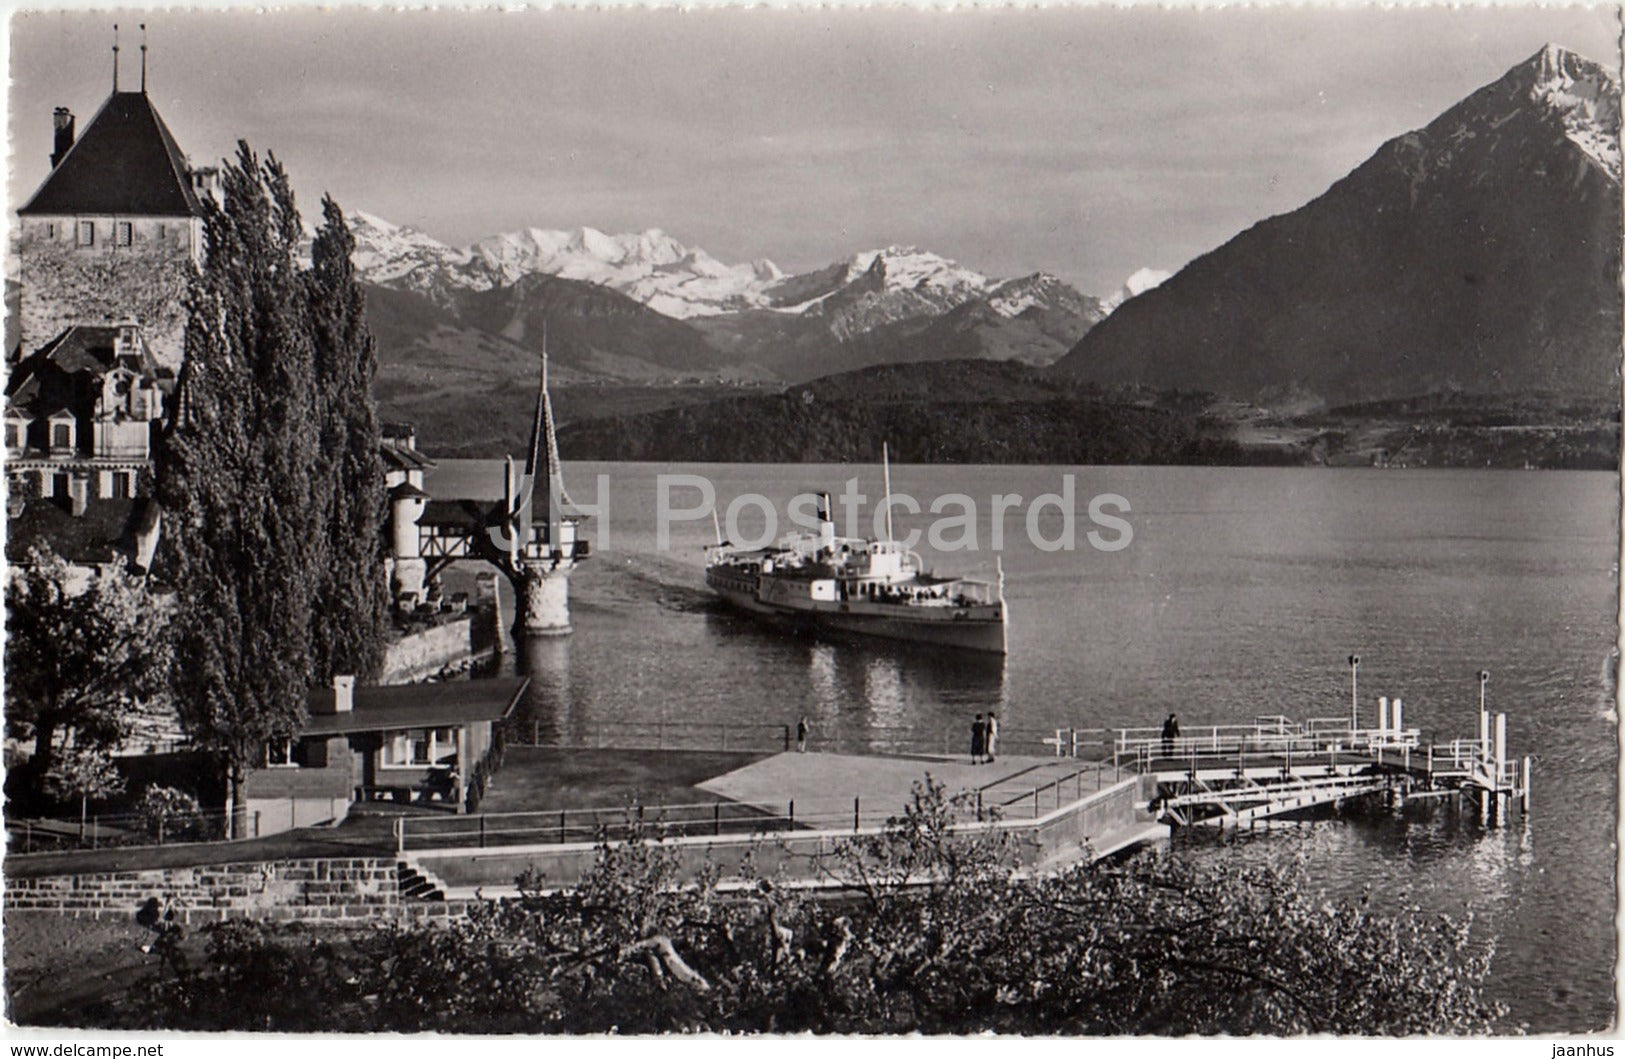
1232,775
1087,792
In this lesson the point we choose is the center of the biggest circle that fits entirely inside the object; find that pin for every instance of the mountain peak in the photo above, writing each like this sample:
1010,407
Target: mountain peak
1579,94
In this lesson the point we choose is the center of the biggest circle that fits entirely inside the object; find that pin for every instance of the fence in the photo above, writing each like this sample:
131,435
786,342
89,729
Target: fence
118,830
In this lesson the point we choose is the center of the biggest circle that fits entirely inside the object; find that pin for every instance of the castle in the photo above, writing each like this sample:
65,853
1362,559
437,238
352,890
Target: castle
104,250
106,247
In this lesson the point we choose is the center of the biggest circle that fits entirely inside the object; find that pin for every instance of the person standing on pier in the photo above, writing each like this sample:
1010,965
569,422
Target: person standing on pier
992,735
978,740
1170,732
802,728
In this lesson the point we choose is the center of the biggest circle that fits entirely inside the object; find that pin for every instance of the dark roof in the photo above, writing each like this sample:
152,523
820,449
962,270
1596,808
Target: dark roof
407,489
48,379
380,708
125,163
102,534
461,513
402,458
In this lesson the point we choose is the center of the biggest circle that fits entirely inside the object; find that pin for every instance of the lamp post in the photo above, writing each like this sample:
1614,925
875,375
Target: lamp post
1354,693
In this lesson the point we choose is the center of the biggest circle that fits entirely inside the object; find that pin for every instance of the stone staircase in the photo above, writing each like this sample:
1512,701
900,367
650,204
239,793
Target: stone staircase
417,883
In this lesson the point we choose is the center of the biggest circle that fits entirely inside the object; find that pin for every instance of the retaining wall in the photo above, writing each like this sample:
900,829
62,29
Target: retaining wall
425,653
327,889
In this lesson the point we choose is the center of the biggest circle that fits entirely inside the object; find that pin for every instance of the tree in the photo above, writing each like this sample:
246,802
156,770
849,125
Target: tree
245,541
79,655
83,774
348,637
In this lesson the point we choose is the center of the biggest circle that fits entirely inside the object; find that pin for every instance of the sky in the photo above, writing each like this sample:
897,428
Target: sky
1085,142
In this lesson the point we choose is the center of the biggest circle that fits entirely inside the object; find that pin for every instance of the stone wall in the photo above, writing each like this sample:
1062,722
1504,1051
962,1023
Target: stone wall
335,889
62,283
423,654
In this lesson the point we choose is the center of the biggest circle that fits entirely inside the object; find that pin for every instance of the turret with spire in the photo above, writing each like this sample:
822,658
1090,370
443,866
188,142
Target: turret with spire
541,552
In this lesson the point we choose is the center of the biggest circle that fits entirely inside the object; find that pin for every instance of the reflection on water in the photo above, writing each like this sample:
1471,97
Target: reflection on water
548,709
865,697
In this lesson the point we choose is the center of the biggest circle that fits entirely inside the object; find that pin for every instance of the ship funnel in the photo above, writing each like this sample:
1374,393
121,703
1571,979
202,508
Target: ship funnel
826,522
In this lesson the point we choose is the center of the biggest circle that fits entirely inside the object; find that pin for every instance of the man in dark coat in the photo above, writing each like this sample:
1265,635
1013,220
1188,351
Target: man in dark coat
978,740
1170,732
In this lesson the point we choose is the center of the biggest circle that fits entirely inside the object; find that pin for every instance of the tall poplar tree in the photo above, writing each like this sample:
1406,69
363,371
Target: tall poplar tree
354,597
258,472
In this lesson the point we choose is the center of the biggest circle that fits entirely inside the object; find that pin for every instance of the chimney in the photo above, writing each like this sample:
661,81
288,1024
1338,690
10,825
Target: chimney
343,694
62,120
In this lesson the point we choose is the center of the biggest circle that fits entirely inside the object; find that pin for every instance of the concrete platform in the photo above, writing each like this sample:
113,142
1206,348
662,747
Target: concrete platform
824,787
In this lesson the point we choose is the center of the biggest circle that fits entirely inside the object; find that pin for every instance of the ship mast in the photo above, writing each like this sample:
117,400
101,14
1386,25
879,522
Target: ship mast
885,463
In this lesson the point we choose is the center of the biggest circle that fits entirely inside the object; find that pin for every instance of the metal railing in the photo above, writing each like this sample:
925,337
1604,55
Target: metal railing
118,830
717,818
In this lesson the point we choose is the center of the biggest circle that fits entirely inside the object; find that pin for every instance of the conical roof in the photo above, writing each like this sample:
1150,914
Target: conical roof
125,163
542,467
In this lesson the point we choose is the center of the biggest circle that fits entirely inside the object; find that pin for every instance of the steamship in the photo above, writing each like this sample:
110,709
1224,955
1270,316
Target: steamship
853,587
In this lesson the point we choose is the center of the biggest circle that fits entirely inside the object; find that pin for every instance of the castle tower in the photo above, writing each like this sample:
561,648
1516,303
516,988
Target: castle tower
112,231
542,553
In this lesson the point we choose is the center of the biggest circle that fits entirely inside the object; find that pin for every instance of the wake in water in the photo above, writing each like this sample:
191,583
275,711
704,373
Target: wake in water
668,583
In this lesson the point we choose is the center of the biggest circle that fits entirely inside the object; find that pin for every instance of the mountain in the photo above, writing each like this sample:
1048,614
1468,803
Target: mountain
1034,319
752,320
903,305
1478,254
648,266
600,333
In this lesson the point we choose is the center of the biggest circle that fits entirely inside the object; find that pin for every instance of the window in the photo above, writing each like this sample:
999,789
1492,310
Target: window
419,747
87,233
61,435
279,751
50,229
122,233
122,482
14,435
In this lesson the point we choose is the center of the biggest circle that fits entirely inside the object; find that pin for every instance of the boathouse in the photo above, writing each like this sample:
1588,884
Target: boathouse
428,744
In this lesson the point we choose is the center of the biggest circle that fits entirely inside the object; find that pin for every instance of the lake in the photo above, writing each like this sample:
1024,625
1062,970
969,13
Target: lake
1240,593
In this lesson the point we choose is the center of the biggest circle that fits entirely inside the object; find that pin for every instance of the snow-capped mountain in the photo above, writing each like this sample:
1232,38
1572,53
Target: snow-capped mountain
402,258
649,266
1584,98
1480,253
877,287
876,304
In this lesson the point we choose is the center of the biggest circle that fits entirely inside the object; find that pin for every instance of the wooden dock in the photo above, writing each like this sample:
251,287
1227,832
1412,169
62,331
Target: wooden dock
1231,775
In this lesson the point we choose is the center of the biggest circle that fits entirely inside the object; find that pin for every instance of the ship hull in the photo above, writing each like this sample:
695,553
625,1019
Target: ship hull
860,621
